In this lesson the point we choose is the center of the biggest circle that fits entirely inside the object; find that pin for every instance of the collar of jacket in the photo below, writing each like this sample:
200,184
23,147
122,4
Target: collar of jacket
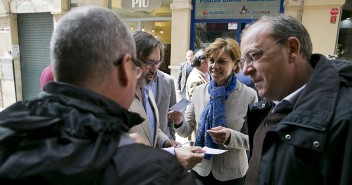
99,114
91,102
307,124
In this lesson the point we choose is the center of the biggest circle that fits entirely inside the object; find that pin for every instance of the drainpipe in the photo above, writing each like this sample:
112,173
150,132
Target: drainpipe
302,7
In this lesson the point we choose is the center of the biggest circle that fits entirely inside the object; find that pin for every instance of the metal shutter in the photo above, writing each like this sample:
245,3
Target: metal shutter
34,31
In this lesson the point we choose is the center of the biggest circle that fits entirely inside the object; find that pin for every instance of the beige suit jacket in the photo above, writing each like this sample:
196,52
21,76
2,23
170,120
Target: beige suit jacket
232,164
195,78
144,128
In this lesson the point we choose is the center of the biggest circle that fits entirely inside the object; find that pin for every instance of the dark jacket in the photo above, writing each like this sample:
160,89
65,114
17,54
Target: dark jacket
183,75
70,135
313,143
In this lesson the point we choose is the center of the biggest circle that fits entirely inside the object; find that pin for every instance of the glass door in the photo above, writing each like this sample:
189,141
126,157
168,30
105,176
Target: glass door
205,33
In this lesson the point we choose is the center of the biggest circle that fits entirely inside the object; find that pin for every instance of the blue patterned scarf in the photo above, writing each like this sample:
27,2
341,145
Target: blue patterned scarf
213,114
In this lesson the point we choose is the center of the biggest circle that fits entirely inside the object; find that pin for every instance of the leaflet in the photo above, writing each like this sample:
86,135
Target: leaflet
180,105
213,151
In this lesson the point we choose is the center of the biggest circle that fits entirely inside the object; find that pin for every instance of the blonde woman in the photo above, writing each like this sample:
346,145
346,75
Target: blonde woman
218,110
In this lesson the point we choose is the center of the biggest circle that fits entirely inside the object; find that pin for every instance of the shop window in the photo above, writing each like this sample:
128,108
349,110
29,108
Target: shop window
344,45
205,33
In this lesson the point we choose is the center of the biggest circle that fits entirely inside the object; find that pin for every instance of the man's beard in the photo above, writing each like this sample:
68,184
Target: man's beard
143,80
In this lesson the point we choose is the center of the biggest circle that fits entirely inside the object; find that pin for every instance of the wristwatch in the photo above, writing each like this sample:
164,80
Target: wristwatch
178,125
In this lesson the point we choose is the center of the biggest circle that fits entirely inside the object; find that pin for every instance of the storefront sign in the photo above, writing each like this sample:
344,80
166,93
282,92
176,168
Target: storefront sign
235,9
32,6
140,5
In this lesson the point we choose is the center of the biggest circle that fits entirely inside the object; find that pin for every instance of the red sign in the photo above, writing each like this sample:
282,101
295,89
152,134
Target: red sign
334,11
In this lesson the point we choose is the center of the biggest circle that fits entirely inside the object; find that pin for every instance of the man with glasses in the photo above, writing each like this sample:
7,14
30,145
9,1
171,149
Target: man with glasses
305,135
150,52
76,131
161,84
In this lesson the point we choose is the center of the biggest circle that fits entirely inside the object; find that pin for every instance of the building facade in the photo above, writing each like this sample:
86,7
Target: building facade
26,27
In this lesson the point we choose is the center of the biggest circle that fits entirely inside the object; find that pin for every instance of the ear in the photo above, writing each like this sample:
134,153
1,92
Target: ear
293,46
124,70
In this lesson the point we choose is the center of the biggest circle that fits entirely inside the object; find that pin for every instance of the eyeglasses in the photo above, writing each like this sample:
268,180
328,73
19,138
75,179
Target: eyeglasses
250,57
135,62
150,63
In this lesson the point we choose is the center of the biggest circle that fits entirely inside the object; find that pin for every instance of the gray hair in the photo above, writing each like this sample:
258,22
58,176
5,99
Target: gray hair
198,57
283,26
86,43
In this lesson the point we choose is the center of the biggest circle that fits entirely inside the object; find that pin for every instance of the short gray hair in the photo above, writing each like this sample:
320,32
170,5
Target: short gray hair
86,43
283,26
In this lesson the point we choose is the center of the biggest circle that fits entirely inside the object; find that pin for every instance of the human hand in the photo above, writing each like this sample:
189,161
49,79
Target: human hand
220,135
175,116
189,156
171,143
137,138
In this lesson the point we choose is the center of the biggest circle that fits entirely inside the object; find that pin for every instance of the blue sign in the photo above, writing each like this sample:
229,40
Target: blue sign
239,9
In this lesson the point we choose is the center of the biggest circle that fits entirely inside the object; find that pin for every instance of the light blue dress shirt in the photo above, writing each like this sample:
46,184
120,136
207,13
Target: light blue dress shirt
149,110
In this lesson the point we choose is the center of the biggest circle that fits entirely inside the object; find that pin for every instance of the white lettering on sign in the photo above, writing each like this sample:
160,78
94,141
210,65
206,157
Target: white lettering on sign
140,3
26,6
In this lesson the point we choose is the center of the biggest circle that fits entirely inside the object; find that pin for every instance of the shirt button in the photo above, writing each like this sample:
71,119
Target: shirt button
316,144
288,137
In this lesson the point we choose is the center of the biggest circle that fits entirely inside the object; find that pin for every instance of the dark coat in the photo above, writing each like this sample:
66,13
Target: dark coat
70,135
183,75
313,143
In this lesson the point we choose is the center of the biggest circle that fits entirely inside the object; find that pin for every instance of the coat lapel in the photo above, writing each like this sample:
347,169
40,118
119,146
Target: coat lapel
160,86
156,115
137,106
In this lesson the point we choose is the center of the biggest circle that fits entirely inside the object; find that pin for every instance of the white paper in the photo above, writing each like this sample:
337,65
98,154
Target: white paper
180,105
213,151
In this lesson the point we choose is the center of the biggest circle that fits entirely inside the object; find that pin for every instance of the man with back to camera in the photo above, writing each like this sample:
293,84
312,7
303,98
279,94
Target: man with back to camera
306,136
76,131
